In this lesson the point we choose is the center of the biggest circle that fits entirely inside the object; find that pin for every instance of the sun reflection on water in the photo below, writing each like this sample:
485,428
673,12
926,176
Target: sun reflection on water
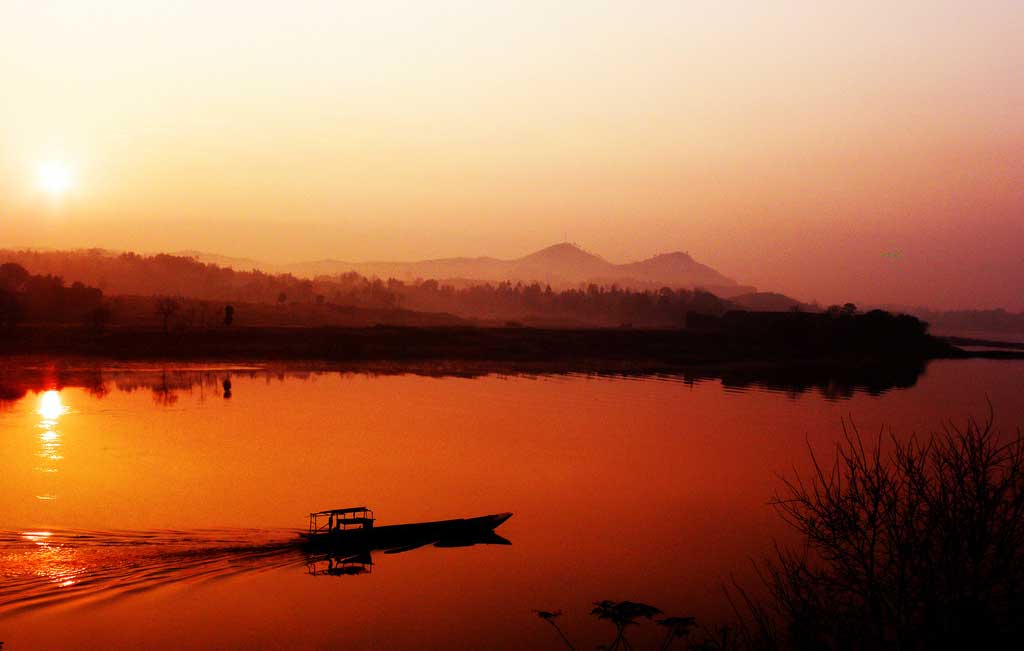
51,408
56,563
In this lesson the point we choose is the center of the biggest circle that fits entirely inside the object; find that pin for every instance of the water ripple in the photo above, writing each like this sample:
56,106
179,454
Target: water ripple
45,568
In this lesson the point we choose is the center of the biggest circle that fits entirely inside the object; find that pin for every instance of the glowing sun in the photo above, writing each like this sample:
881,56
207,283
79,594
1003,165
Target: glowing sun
55,177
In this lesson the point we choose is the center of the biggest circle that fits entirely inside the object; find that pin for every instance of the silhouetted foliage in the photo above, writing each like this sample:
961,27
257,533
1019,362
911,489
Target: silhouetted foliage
622,614
835,331
918,548
676,627
25,297
908,545
550,617
13,277
11,309
98,318
136,275
166,307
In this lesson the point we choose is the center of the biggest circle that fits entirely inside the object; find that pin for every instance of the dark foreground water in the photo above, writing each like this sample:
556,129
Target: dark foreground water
141,508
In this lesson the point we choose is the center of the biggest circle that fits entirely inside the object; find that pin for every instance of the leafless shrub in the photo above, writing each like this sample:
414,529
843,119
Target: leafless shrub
918,548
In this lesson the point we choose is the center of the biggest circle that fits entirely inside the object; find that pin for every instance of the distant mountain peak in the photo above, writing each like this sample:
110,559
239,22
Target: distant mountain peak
565,251
564,264
672,255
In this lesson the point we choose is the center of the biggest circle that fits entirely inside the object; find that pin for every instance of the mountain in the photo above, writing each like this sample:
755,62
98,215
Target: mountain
561,261
561,266
670,266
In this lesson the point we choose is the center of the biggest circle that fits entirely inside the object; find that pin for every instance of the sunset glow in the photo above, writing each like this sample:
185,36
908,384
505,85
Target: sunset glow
772,143
454,324
55,177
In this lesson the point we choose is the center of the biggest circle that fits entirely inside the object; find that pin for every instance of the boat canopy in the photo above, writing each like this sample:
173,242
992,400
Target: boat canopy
340,519
351,509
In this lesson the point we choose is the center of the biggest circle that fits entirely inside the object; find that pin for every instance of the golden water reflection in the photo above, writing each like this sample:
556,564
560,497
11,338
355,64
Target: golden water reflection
51,408
53,562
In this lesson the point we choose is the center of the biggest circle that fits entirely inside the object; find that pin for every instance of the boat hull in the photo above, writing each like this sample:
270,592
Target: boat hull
398,537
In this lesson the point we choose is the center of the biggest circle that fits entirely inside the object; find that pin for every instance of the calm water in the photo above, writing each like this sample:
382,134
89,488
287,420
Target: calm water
140,508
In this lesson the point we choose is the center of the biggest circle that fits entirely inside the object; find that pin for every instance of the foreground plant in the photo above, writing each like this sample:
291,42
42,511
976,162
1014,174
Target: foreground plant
622,614
918,548
677,627
549,617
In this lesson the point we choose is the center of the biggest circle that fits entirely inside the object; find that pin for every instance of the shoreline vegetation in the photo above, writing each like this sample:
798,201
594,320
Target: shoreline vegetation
615,346
41,315
906,544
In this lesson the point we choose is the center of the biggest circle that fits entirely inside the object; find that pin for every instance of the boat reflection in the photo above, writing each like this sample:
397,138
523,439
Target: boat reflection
340,565
345,546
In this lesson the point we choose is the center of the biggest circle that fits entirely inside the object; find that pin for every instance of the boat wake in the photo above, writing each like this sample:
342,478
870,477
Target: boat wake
48,568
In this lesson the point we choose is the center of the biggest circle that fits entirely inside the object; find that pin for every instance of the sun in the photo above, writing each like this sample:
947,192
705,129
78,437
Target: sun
55,177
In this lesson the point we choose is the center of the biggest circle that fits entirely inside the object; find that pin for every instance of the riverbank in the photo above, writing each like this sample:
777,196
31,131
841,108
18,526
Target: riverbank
334,344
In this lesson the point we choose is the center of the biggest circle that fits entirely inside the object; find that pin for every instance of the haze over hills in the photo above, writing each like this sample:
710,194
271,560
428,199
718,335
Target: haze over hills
474,287
561,266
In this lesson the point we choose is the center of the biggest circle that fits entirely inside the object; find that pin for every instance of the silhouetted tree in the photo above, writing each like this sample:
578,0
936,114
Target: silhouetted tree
549,617
229,315
676,627
13,277
98,318
166,307
720,639
622,614
920,548
11,309
204,310
133,274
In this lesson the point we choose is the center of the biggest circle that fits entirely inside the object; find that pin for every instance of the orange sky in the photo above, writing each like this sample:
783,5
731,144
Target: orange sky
829,150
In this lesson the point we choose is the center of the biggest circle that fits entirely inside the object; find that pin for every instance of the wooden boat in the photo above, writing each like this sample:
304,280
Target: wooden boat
354,529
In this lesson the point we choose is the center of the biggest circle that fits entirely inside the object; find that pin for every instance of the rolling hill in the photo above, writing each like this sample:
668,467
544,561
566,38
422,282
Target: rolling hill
561,266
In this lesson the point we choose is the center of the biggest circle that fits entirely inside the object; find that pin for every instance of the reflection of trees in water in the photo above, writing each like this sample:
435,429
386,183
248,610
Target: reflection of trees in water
163,394
167,383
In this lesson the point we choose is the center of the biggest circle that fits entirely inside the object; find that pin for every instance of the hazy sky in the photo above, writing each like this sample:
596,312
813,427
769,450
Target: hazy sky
831,150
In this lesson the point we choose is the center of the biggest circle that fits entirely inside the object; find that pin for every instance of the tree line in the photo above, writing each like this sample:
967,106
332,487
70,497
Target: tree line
170,275
27,297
